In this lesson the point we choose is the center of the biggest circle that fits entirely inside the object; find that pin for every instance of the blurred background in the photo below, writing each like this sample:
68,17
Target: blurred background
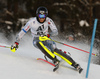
73,18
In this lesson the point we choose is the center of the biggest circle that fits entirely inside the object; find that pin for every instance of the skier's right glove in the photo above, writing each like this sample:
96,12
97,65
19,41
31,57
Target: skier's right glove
15,46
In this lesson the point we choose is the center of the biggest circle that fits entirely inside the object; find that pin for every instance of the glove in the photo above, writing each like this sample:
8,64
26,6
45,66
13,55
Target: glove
48,35
15,46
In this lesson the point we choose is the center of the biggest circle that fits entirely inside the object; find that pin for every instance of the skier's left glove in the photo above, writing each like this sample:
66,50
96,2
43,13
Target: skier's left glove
15,46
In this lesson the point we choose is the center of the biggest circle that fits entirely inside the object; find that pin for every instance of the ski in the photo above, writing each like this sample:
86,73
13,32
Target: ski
55,66
46,61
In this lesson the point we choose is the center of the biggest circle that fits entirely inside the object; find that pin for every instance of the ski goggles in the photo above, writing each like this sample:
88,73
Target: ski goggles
41,16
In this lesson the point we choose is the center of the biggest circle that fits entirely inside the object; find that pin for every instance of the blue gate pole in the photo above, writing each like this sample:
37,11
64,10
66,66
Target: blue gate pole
92,42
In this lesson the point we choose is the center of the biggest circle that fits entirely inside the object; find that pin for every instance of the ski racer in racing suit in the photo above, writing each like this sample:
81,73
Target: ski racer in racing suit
39,25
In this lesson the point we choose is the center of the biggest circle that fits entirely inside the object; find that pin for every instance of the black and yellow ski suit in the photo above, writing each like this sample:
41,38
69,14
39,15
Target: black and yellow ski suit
48,47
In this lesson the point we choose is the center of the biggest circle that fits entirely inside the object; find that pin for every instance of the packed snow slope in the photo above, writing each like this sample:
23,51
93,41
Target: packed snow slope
23,64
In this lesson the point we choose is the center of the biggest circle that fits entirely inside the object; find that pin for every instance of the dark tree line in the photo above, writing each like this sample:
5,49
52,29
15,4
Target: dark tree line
69,12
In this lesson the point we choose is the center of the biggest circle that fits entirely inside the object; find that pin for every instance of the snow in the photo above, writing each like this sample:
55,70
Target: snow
23,64
84,22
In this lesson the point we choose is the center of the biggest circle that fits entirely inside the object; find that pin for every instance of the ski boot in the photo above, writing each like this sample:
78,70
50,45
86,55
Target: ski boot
78,68
56,63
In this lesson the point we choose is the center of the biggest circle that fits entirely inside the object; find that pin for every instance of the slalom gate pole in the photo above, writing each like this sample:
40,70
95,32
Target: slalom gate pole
92,42
4,46
73,47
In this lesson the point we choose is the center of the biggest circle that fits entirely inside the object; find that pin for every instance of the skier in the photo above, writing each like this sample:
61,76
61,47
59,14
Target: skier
39,25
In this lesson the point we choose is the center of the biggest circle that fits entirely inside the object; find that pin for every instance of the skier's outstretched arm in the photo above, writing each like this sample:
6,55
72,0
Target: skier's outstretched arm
20,35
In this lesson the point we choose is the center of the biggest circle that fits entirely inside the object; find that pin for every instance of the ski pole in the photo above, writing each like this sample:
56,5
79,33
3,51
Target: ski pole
73,47
5,46
44,38
13,50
